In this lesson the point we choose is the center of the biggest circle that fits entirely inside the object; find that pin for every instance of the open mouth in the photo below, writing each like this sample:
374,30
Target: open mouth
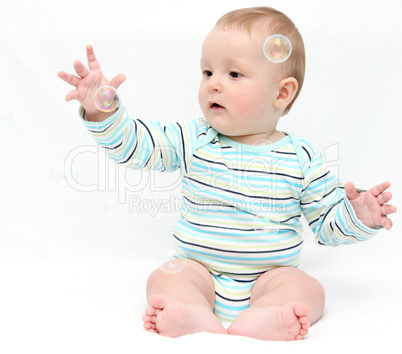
214,105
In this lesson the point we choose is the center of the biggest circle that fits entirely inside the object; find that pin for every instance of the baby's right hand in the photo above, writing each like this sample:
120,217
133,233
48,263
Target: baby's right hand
88,81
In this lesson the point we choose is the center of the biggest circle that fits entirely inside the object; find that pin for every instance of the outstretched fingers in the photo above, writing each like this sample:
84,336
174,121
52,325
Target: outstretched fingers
351,191
69,78
117,81
388,209
80,69
387,223
383,198
87,79
92,61
385,220
72,95
72,80
380,188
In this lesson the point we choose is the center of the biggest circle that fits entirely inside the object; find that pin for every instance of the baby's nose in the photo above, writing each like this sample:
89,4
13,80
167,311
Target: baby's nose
215,84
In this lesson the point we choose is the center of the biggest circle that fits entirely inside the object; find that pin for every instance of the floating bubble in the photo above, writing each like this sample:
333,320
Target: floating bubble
176,261
277,48
6,118
266,224
255,148
106,98
262,142
174,265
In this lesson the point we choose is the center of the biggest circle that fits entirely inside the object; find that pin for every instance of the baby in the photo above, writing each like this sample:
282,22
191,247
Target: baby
245,185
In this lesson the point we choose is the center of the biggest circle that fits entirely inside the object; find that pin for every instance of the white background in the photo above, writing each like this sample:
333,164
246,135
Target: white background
73,264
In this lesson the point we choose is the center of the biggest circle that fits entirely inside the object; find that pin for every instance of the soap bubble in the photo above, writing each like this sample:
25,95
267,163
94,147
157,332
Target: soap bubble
259,146
6,118
106,98
174,265
176,262
266,224
262,142
277,48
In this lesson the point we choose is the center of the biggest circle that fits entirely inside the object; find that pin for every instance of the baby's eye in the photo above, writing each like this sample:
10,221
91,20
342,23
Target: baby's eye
207,73
234,74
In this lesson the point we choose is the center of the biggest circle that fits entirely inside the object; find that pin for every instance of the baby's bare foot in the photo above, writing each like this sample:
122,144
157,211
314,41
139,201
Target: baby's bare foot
284,323
173,319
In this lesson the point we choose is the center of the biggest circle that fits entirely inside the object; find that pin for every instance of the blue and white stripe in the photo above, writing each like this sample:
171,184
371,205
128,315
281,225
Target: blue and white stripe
228,188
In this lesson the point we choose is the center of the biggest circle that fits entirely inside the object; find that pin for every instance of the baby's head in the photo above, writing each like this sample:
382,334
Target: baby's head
243,94
268,21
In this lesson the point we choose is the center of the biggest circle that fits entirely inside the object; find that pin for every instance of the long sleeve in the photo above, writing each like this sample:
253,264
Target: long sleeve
145,145
327,209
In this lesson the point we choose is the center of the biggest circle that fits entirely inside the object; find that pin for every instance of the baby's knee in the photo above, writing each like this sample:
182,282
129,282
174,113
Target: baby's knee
289,276
190,271
316,287
312,283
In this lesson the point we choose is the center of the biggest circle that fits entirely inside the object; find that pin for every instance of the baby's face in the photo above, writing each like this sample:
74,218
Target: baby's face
239,85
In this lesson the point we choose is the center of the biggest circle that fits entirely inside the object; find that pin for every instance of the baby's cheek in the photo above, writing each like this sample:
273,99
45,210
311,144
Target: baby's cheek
244,102
249,108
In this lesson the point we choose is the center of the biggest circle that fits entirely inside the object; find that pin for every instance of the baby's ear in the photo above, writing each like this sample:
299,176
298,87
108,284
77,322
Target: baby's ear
287,89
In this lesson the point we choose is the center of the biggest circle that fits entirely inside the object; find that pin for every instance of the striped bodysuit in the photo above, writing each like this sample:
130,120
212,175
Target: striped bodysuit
242,204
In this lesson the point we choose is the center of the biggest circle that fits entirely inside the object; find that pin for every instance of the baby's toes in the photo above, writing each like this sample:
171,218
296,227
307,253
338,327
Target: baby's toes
153,330
150,311
303,332
304,322
148,319
149,325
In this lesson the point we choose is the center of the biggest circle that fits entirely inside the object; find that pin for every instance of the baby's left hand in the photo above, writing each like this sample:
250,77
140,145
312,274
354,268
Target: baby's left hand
370,206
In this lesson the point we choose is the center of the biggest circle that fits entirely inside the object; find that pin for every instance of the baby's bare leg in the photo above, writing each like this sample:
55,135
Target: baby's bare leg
283,303
181,303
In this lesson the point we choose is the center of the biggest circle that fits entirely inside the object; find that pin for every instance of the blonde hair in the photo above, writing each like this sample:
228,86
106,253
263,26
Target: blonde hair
270,22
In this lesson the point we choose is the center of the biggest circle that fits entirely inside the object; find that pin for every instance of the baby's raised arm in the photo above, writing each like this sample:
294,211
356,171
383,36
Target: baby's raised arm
87,82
